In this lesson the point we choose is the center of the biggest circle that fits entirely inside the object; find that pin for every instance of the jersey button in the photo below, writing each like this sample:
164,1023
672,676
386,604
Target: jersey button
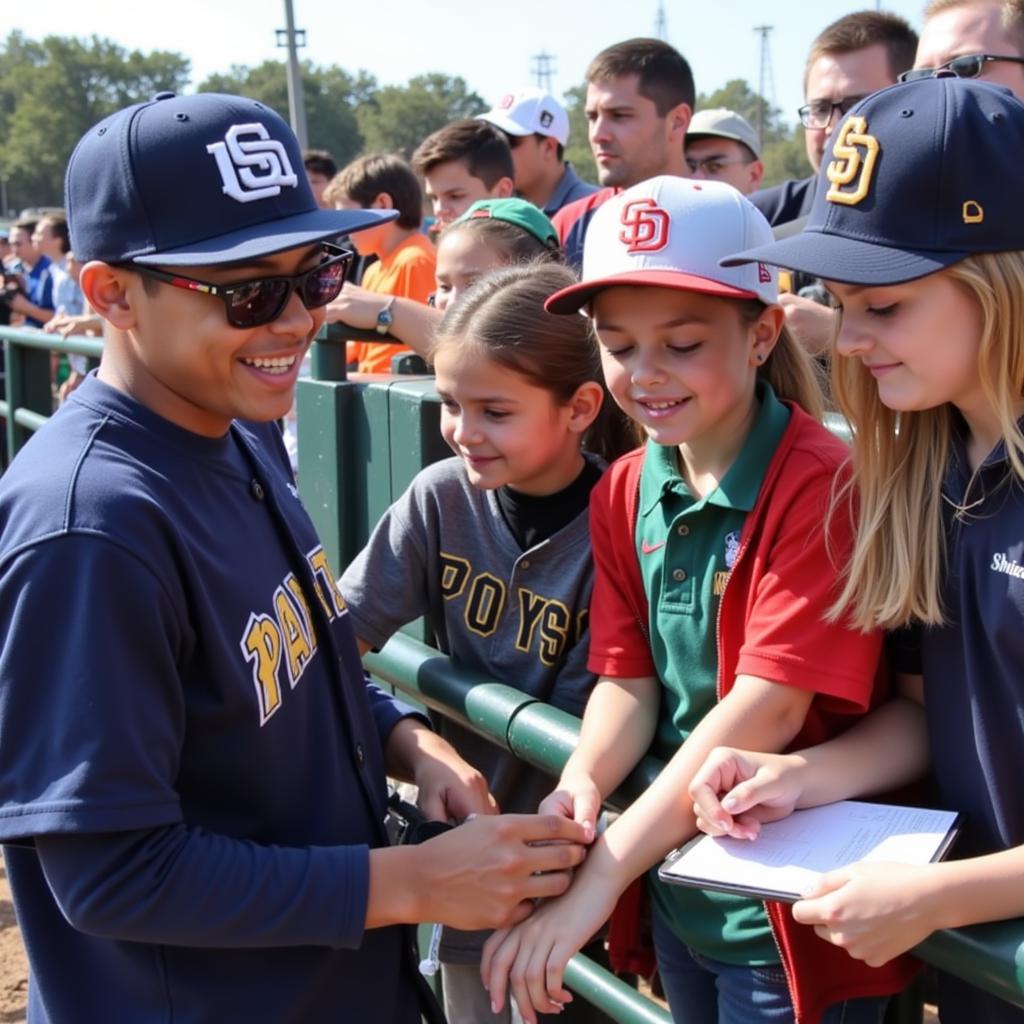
679,575
524,564
683,530
256,489
360,756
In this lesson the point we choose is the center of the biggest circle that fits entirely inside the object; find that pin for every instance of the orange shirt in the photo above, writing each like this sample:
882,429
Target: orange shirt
407,271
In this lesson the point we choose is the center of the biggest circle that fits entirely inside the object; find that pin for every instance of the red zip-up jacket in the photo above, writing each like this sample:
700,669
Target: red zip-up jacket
770,625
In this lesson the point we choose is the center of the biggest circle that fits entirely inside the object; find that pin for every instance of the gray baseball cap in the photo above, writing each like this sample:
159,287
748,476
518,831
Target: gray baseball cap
725,124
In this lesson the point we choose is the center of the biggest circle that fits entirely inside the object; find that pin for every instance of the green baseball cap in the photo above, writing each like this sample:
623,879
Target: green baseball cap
515,211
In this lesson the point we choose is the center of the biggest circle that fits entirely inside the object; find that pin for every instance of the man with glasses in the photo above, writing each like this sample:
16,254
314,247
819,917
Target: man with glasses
973,39
854,56
192,764
537,128
723,146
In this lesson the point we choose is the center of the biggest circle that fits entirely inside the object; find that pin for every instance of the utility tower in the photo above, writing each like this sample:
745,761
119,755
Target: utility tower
543,70
293,38
765,81
660,23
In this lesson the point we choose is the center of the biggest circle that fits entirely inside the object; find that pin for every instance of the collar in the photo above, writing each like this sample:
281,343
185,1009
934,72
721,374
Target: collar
739,488
565,185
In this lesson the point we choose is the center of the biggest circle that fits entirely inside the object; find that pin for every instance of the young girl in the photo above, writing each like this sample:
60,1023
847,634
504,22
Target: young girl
492,546
712,573
924,256
492,233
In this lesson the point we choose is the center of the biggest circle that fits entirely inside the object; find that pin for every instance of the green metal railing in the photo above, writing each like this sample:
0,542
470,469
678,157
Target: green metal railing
28,400
990,955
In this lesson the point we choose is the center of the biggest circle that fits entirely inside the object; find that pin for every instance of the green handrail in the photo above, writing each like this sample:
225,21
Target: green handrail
28,401
990,956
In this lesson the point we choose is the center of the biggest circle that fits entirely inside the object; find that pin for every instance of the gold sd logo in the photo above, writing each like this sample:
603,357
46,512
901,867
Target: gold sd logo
852,164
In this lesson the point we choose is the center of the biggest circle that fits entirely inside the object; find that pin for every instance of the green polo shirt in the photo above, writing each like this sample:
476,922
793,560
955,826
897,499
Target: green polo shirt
686,547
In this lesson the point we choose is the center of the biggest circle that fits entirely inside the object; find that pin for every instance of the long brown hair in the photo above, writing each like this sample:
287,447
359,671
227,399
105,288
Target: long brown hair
504,315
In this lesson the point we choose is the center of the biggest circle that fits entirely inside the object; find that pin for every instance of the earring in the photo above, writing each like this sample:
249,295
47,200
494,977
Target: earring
760,357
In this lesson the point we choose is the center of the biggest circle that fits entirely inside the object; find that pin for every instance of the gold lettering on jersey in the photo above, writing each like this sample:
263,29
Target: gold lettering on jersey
485,604
856,154
326,585
455,572
554,632
295,587
261,645
973,212
531,608
295,639
718,583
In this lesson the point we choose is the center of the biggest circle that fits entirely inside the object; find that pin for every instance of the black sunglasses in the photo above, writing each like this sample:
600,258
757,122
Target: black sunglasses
968,66
262,299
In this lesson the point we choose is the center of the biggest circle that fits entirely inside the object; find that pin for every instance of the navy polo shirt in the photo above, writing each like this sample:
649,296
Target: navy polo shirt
973,681
974,665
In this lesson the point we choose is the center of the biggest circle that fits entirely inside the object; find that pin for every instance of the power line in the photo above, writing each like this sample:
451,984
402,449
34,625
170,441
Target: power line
543,70
765,82
661,23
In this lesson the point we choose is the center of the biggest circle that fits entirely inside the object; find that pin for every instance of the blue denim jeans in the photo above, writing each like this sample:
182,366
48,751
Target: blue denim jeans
701,990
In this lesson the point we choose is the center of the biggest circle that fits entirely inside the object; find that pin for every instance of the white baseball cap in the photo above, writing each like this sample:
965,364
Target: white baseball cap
670,232
529,112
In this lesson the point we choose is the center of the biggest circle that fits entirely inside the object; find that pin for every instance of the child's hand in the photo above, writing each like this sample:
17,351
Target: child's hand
874,911
576,798
734,791
528,961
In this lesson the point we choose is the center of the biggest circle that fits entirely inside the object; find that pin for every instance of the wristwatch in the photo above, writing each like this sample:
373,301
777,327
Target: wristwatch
385,318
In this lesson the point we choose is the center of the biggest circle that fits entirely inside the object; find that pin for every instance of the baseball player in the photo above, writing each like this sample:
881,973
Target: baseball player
191,762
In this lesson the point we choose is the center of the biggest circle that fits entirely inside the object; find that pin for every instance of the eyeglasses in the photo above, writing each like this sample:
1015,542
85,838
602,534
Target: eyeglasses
262,299
969,66
818,114
712,166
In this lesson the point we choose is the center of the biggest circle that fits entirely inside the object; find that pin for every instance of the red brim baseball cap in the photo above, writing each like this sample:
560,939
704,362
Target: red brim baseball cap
671,232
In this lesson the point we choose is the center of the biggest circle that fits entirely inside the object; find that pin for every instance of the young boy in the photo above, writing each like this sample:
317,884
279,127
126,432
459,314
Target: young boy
192,778
462,162
405,256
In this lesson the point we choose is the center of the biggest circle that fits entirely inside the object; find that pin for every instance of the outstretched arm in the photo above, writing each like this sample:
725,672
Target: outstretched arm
533,955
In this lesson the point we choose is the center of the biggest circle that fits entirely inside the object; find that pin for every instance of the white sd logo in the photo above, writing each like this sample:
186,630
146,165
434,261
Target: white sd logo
252,165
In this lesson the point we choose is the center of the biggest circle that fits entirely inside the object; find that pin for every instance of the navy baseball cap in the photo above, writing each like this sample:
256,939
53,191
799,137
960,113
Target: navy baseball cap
916,178
195,180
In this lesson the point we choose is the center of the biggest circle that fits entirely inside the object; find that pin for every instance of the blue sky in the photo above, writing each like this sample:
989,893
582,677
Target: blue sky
488,43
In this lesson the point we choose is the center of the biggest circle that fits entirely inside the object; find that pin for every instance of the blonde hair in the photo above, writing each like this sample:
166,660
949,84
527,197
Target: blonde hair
894,574
788,369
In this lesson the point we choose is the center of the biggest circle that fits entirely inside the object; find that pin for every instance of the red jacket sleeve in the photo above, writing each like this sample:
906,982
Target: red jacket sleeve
619,644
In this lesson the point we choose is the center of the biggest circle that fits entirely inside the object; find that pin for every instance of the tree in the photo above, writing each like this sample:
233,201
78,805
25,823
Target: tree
397,118
782,146
52,91
331,95
578,151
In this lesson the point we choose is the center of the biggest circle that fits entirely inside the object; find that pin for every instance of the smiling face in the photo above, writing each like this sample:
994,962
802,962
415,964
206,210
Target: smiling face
681,364
918,340
184,361
507,430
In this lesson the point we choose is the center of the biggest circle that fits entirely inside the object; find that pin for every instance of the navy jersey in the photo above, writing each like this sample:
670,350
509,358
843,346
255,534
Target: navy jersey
973,683
191,764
